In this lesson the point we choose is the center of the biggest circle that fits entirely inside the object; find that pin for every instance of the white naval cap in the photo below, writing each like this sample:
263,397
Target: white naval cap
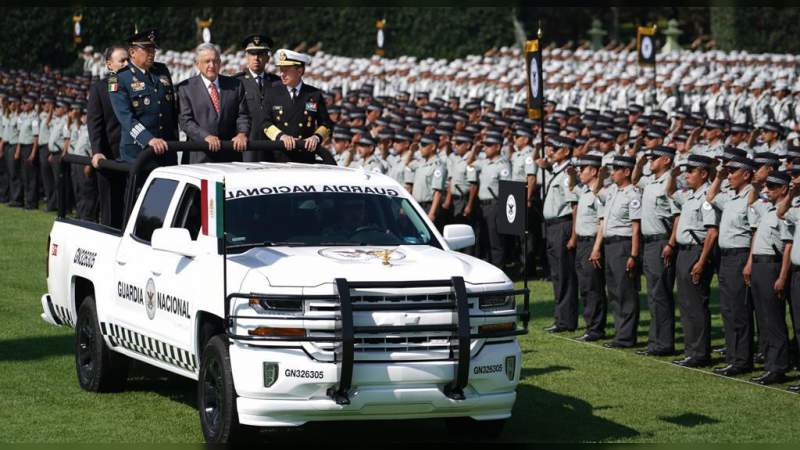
286,57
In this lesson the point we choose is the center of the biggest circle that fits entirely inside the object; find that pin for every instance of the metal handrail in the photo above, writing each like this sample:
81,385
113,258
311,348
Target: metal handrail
146,160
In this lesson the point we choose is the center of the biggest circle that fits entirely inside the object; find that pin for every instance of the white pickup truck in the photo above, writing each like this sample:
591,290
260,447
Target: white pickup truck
291,293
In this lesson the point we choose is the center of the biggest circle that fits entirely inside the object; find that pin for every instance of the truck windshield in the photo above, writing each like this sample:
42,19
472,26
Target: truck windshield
323,219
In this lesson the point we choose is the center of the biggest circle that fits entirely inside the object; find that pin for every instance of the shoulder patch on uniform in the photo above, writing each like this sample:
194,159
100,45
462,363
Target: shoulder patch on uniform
504,172
707,206
470,168
437,173
635,203
529,160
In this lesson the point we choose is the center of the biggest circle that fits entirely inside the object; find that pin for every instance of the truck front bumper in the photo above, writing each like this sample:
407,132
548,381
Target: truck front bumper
388,390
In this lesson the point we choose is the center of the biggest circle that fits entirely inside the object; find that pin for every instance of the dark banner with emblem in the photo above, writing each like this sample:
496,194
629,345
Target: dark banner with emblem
533,62
646,46
512,199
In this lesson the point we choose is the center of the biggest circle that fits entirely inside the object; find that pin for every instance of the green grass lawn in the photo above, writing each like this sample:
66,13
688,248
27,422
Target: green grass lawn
570,391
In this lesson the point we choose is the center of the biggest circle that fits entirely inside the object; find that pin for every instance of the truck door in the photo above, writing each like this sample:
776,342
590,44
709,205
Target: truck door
135,275
180,283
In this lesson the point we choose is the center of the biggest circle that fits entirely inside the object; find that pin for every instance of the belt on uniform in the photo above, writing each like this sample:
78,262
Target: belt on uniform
654,237
733,251
766,259
585,238
613,239
688,246
488,202
558,220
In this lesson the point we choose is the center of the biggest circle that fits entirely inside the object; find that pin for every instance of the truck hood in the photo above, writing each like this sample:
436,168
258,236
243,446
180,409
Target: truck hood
315,266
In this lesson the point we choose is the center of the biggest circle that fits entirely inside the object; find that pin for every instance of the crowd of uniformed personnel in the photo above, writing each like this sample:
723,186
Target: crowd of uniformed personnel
671,188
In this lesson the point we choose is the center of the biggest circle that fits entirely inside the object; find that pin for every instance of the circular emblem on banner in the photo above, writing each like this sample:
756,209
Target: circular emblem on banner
361,254
150,301
511,209
647,47
534,78
380,39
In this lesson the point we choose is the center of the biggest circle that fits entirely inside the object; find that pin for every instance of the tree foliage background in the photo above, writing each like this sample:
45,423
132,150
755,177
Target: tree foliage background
32,36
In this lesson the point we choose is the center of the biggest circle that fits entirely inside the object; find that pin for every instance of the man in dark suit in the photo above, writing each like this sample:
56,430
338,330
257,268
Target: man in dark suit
256,81
104,135
213,108
295,111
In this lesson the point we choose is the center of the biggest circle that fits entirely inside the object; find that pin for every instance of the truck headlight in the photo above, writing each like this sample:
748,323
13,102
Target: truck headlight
277,304
491,302
270,373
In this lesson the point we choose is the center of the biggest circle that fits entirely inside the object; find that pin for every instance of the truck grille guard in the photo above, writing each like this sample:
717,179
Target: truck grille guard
346,334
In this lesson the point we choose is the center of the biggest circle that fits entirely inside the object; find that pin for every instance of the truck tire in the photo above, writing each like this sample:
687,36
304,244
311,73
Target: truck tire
216,396
468,427
99,369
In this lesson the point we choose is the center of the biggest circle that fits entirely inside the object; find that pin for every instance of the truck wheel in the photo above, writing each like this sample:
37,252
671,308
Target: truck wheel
468,427
216,396
99,369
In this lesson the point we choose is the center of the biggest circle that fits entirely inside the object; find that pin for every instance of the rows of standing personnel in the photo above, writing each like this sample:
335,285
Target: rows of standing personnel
614,194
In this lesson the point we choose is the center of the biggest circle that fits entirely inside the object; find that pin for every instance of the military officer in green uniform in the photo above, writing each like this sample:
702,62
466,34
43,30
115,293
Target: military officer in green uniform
487,174
695,236
591,279
256,81
145,102
620,228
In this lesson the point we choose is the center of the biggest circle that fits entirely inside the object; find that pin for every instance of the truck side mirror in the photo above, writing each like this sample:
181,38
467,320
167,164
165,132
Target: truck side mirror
174,240
459,236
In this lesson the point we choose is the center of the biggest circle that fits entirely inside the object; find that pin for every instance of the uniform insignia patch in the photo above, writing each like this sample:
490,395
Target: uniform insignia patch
707,206
147,101
311,106
164,80
529,160
113,87
137,86
635,204
136,103
504,172
437,173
